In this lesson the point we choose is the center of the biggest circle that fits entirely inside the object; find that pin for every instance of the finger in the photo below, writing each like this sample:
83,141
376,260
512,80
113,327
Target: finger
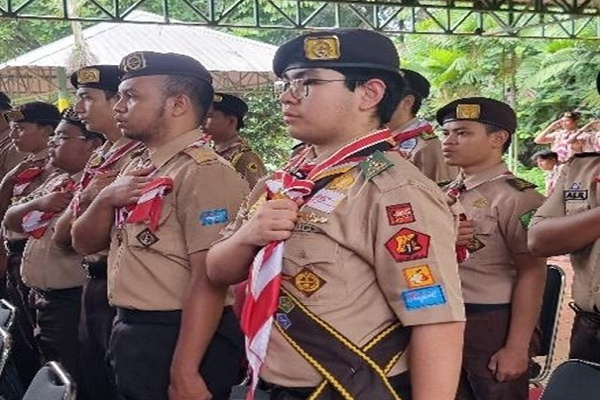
281,225
281,204
141,171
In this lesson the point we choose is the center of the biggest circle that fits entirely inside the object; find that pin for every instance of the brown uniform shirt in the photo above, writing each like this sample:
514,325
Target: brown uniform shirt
151,271
10,157
425,152
501,206
46,266
365,254
245,161
575,192
42,155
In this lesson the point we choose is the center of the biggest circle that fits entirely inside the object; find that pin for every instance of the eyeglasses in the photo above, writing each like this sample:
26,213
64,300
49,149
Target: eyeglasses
299,87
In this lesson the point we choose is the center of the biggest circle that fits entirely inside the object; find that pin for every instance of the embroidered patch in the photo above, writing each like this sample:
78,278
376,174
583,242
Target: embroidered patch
214,217
400,214
307,282
481,202
475,244
526,218
520,184
418,276
408,145
311,218
133,62
341,182
468,111
428,135
407,245
88,75
326,200
575,193
322,48
286,304
302,227
374,165
252,167
96,161
283,320
146,238
423,297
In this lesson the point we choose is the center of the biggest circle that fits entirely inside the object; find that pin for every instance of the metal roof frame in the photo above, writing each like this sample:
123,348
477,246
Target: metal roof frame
574,19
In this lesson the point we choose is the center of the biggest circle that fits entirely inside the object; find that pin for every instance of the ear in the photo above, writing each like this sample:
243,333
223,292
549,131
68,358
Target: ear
48,130
373,91
179,104
499,138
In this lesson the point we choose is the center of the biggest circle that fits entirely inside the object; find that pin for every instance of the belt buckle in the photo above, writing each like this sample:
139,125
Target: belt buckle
86,267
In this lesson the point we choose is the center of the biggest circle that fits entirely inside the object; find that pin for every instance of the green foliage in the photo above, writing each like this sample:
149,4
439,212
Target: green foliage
265,131
533,175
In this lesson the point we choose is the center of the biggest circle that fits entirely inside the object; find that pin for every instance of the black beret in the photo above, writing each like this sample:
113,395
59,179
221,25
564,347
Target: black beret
146,63
416,83
37,112
71,117
105,77
4,101
231,104
338,48
479,109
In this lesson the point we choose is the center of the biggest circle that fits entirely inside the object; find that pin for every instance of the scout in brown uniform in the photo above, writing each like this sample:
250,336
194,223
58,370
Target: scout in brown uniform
97,93
223,124
32,124
167,213
568,222
502,282
417,141
54,274
10,157
368,256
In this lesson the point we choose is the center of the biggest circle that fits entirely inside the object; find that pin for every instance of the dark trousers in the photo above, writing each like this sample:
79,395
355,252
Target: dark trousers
585,336
485,334
142,346
57,326
94,334
400,383
26,354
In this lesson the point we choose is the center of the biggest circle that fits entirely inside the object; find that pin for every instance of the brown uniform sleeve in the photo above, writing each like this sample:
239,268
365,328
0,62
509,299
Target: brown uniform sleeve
208,197
554,206
251,167
515,214
414,255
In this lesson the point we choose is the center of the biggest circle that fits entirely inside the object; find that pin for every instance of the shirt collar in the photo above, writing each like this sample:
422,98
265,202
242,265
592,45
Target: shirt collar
481,177
162,155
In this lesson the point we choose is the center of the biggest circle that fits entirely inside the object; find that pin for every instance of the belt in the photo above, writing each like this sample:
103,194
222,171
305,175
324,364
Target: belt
59,293
129,316
14,247
95,269
482,308
591,316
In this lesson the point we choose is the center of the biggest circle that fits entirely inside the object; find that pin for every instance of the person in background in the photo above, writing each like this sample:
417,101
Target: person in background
560,135
547,161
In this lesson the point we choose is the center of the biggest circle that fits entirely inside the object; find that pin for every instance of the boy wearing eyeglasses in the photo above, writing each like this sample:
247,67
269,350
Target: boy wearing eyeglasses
53,274
349,249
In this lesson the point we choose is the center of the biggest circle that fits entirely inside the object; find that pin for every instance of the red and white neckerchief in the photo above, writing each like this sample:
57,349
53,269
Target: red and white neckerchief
25,178
454,190
296,181
149,205
36,222
413,130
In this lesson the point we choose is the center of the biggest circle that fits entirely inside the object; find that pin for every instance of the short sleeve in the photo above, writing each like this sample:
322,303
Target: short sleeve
515,214
554,206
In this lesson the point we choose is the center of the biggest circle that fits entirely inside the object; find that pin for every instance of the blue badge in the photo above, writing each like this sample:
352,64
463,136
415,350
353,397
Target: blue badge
409,144
283,320
423,297
213,217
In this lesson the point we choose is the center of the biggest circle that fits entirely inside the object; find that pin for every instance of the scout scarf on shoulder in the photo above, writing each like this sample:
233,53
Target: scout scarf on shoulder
35,222
297,181
414,130
25,178
107,161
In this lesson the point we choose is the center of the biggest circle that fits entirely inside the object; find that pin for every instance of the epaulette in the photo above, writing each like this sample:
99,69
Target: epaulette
428,135
520,184
375,164
200,154
588,154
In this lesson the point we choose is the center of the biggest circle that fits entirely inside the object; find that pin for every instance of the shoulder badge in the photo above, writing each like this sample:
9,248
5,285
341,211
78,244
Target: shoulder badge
520,184
375,164
428,135
200,154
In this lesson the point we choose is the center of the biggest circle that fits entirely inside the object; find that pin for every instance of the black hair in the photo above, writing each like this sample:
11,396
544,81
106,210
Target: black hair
544,155
200,92
240,120
489,128
394,87
418,101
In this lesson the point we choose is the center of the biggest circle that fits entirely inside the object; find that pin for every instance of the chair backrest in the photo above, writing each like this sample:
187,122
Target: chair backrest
574,380
51,382
6,348
7,314
549,318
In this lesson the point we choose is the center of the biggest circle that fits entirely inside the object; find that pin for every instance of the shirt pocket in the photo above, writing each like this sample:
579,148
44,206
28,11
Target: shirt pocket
312,270
161,240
